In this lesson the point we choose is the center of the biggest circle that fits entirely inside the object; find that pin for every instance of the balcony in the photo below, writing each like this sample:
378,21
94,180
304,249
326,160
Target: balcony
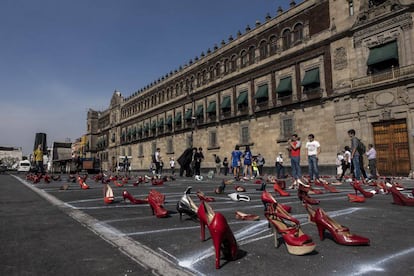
392,75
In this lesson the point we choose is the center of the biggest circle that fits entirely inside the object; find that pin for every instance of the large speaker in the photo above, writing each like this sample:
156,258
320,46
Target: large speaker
40,138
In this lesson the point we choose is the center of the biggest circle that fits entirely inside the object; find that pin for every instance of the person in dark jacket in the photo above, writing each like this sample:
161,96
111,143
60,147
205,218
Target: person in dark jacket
185,161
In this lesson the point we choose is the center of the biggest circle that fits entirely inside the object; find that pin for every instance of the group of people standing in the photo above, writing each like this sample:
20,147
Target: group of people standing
245,164
352,158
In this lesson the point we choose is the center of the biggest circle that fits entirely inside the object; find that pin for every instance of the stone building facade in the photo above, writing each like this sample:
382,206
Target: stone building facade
321,67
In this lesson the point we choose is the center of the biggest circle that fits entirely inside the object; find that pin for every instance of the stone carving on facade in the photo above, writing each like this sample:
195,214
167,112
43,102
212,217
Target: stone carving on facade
369,101
384,98
403,96
393,23
370,9
340,58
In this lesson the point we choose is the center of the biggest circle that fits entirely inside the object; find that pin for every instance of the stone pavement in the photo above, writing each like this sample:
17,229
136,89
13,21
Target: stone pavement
48,231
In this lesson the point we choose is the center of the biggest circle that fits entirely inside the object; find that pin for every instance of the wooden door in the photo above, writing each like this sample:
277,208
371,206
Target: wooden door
391,143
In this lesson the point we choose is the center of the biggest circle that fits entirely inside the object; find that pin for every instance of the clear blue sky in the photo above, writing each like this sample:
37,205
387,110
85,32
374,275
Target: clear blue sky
58,58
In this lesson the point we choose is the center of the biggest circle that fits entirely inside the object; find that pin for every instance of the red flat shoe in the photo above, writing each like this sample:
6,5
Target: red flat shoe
157,182
118,184
339,233
244,216
355,198
203,197
156,201
239,188
221,234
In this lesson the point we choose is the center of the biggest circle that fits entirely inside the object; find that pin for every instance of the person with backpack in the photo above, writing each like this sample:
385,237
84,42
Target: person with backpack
357,153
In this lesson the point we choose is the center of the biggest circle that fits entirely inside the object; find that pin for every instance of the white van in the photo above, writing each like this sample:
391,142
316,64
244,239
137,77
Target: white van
23,166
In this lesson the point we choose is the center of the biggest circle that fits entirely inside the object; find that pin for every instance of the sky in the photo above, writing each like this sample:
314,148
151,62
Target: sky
59,58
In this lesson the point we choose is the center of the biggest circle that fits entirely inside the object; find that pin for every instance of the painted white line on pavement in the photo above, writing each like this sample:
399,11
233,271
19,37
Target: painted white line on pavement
371,268
141,254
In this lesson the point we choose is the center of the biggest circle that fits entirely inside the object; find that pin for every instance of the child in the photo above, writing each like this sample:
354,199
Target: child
255,168
172,165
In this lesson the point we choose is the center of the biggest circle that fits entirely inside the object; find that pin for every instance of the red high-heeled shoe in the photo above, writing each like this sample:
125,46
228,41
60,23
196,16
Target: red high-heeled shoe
221,234
399,198
267,198
279,190
357,187
304,197
109,194
118,184
203,197
133,200
297,242
339,233
157,181
311,213
82,184
156,201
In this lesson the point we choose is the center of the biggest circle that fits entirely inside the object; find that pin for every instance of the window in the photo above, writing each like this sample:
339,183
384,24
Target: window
242,101
383,57
153,147
217,70
286,39
252,55
298,33
284,88
226,104
129,151
273,45
211,110
123,151
244,135
213,139
262,94
140,150
310,81
233,63
287,128
226,66
170,146
263,49
243,58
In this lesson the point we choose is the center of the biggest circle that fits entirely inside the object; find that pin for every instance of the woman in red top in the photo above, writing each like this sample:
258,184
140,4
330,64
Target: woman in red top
294,149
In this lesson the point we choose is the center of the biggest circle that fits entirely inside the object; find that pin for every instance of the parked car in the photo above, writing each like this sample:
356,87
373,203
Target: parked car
23,166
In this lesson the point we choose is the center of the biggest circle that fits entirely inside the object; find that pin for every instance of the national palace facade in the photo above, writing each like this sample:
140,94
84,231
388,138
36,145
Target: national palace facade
321,67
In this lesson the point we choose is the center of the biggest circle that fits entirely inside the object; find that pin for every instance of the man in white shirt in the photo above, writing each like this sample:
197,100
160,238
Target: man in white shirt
313,149
372,161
